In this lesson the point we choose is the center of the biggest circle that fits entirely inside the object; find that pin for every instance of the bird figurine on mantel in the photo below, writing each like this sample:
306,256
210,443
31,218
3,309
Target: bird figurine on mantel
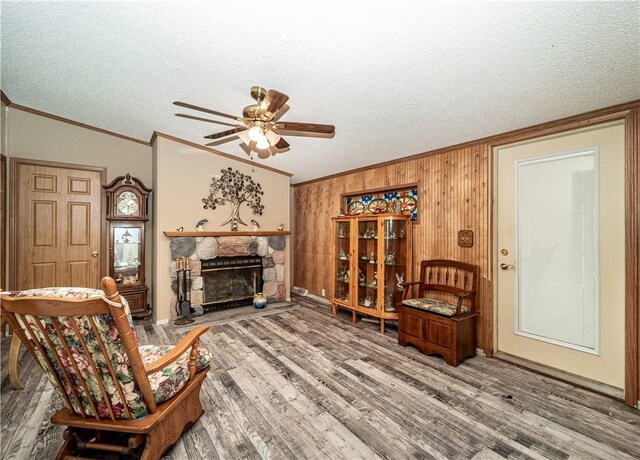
200,225
256,225
280,227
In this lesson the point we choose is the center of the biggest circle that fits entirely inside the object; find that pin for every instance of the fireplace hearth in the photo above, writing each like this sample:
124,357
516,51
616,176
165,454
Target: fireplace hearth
230,281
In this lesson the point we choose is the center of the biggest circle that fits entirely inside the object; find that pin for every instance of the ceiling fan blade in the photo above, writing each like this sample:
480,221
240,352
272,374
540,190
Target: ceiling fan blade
228,132
282,144
306,127
202,109
273,101
191,117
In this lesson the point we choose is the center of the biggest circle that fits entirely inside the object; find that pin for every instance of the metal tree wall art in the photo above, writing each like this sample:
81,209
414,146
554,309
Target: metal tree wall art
236,188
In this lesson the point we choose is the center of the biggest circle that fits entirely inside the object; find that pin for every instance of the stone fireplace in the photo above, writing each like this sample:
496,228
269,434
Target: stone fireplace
213,252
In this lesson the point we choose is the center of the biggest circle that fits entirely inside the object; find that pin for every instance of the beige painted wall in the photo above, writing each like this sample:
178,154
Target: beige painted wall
40,138
182,176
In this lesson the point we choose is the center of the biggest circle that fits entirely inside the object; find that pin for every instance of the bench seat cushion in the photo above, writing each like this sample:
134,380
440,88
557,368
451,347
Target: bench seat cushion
434,306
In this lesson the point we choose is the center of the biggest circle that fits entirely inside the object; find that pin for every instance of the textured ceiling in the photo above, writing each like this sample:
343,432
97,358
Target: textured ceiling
395,78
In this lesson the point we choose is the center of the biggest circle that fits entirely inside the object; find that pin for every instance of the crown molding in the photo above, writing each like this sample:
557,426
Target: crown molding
5,99
7,102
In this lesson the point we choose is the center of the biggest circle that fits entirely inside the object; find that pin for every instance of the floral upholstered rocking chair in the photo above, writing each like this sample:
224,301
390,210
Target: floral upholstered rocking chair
119,396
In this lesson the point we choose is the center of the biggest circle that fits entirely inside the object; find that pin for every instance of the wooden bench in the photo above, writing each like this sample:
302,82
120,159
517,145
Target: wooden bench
441,317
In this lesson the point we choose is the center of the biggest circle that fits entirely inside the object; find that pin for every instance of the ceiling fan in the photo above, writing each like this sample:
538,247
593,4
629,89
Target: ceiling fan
260,121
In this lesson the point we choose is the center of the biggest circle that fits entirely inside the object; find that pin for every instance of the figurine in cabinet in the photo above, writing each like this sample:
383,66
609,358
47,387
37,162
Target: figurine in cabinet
388,301
127,213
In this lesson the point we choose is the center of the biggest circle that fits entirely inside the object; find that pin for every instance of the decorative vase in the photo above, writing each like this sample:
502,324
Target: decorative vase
259,300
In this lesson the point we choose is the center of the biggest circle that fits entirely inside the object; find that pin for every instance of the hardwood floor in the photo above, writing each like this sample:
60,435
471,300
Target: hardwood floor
301,384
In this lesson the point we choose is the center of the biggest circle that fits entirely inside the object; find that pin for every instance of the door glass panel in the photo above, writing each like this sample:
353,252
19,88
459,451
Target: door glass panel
126,255
343,273
557,232
395,258
368,264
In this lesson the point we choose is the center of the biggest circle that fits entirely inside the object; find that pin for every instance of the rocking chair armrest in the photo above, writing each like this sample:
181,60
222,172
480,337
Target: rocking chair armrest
188,341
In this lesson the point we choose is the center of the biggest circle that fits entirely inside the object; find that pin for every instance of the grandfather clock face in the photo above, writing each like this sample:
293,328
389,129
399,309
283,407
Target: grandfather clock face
127,204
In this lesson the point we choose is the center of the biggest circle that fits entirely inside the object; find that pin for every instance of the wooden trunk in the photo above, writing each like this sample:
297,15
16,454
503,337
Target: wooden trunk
453,338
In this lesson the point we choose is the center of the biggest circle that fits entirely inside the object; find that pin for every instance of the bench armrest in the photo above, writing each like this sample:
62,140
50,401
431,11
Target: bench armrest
188,341
407,289
463,295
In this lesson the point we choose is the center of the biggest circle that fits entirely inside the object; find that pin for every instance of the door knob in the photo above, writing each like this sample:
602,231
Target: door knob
506,266
94,254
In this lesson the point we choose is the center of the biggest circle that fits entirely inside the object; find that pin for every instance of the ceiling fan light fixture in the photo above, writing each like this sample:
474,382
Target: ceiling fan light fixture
263,143
244,137
256,132
260,122
272,137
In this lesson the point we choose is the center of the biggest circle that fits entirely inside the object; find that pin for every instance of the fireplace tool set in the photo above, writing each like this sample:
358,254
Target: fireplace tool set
183,306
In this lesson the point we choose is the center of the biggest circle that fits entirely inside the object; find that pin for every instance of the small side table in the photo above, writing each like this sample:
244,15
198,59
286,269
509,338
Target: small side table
14,354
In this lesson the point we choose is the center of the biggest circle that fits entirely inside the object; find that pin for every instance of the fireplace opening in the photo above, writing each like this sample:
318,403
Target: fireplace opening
230,281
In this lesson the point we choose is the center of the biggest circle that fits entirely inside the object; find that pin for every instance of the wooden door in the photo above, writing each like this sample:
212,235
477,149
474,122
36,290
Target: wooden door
560,241
56,225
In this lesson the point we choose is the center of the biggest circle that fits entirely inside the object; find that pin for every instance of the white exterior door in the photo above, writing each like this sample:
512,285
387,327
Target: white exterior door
560,243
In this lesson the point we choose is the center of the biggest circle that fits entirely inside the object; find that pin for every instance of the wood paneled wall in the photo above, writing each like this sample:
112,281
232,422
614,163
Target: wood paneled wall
453,194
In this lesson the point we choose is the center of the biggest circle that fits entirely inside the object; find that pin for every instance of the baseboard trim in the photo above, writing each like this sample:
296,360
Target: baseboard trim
563,376
300,291
160,322
319,299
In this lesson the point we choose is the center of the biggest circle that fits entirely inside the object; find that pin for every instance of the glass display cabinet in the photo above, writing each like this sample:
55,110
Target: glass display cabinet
371,258
127,252
127,213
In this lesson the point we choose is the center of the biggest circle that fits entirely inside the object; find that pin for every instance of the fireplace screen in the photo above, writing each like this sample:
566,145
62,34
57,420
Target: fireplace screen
230,281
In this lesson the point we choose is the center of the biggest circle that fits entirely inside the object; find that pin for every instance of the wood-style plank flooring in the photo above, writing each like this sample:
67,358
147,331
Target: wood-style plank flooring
301,384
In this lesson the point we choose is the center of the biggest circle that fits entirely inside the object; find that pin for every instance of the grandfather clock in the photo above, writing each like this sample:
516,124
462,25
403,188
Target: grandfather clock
127,213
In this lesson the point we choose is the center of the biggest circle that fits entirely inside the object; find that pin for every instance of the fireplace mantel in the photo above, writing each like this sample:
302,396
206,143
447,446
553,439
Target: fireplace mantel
173,234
